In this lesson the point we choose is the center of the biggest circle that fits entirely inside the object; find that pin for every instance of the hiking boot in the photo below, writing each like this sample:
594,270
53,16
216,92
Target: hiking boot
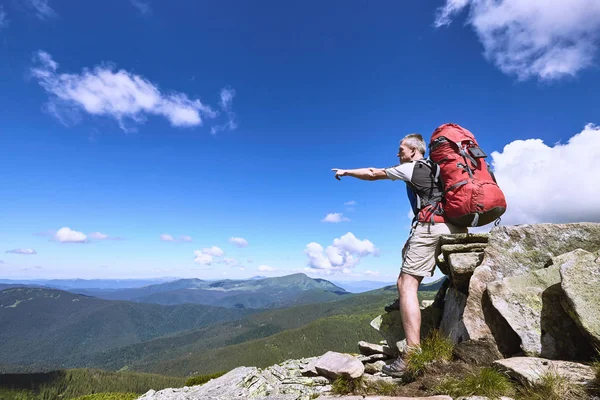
393,306
397,369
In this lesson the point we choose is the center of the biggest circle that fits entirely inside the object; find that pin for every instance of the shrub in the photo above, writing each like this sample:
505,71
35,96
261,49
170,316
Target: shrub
202,379
435,347
485,382
552,387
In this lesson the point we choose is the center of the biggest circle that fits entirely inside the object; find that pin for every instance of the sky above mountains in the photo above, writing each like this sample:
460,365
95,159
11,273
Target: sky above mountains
144,138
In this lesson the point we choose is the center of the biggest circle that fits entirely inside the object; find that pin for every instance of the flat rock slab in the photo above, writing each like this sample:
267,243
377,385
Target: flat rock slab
531,369
448,249
384,398
580,274
460,238
368,349
531,304
513,251
332,365
483,398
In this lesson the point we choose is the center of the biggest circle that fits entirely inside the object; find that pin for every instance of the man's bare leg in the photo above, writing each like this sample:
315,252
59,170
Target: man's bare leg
408,286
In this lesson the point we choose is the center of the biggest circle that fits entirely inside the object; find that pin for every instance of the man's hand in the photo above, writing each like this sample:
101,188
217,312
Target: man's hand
339,173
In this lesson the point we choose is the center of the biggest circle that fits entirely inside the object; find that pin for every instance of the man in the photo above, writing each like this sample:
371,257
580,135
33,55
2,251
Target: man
423,245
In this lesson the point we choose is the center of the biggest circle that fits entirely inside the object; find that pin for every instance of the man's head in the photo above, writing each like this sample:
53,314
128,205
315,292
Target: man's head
412,148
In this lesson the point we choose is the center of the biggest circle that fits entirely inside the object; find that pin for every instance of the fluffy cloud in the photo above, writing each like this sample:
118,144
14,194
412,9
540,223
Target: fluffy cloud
22,251
265,268
532,38
335,218
345,253
126,97
206,256
227,95
239,242
350,203
166,238
41,8
550,183
67,235
98,236
3,20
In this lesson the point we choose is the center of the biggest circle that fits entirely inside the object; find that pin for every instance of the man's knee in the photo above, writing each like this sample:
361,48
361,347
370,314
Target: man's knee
408,284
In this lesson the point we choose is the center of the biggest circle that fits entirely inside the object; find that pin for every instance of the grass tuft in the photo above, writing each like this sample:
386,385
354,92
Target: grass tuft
485,382
346,385
552,387
435,347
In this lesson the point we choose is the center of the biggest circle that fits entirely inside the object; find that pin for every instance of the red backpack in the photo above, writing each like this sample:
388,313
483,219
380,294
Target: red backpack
471,195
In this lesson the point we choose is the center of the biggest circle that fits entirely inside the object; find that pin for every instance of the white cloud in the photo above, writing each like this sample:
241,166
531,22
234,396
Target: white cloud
142,6
3,20
344,254
350,203
126,97
227,95
335,218
550,184
533,38
239,242
98,236
41,8
22,251
265,268
229,261
166,238
184,238
206,256
67,235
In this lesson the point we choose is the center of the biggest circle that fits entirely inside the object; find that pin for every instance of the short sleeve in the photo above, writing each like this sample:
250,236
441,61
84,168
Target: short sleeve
401,171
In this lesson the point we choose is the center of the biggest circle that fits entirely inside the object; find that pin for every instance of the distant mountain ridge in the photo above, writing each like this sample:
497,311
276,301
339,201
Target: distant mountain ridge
274,292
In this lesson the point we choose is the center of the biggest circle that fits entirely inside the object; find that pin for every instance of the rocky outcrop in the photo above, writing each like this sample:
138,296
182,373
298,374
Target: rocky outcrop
532,369
389,325
513,251
452,324
531,304
580,273
333,365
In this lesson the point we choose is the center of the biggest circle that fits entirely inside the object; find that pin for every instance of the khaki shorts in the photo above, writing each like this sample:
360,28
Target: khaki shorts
422,248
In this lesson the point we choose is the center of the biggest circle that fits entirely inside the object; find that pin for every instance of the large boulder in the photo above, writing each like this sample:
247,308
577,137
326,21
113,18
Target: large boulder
452,324
333,365
513,251
580,274
531,304
532,369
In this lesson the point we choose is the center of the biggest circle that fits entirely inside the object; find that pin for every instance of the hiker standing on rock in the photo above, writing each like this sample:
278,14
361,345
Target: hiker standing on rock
423,245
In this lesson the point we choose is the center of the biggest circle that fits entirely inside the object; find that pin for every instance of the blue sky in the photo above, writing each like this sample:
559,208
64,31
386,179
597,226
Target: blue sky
144,138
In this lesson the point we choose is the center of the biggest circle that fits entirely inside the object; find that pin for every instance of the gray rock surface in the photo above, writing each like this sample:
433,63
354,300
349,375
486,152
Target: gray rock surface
333,365
278,382
461,266
531,369
452,324
580,274
383,398
460,238
531,304
373,368
513,251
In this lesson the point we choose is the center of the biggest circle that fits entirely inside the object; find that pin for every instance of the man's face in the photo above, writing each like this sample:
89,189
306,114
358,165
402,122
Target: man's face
405,153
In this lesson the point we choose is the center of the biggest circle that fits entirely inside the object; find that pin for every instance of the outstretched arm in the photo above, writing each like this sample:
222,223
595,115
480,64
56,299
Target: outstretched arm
366,174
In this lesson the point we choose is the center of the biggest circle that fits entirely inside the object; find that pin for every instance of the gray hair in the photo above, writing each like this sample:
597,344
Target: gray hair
415,141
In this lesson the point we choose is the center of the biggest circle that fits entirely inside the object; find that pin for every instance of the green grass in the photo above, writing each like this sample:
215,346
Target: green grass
483,382
109,396
435,347
202,379
552,387
345,385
